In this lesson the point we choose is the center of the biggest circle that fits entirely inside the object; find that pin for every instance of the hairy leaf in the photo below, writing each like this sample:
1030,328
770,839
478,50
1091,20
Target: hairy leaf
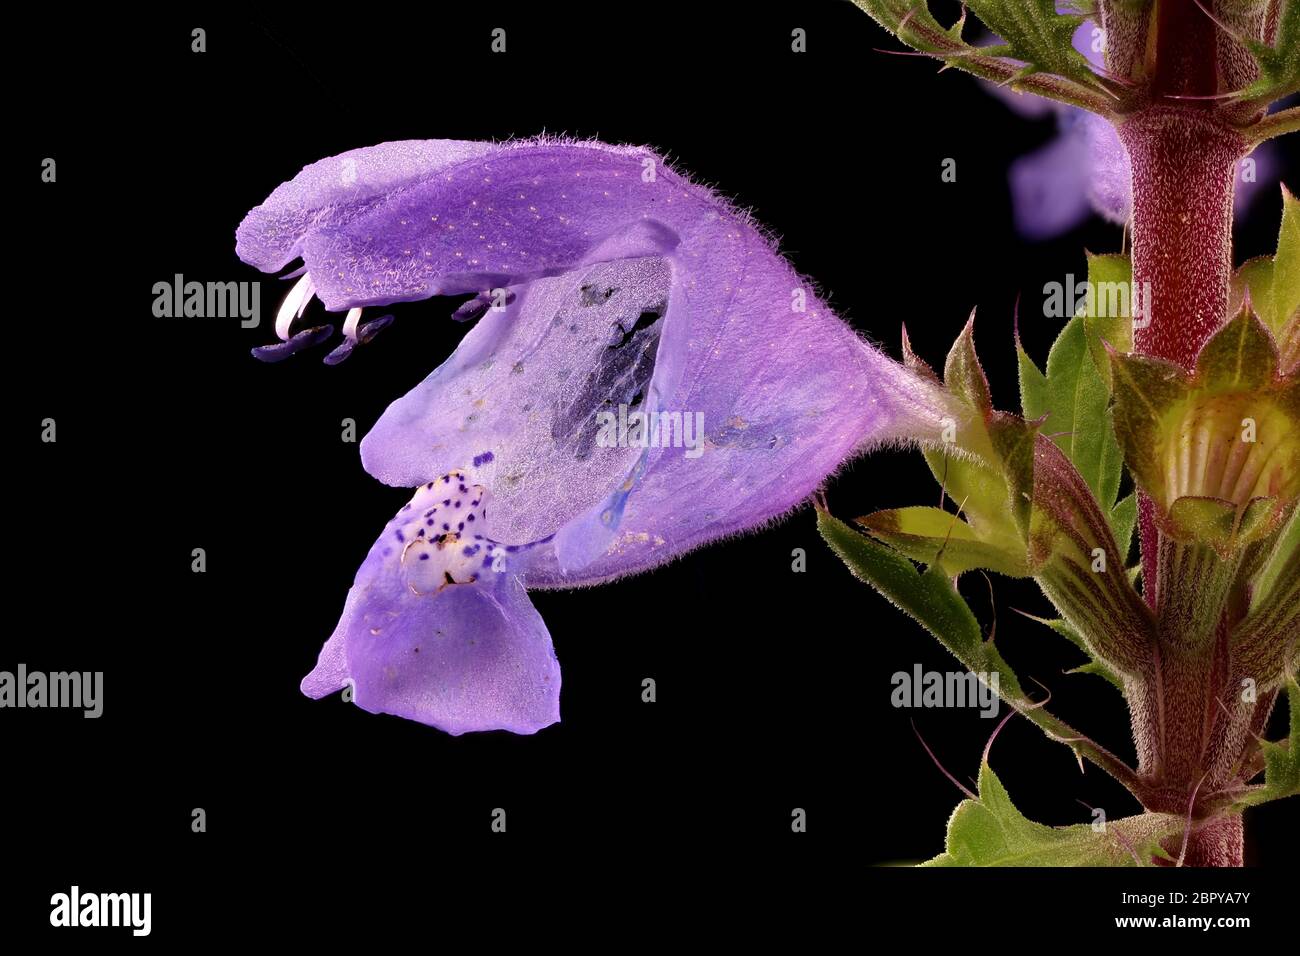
990,831
931,599
1036,55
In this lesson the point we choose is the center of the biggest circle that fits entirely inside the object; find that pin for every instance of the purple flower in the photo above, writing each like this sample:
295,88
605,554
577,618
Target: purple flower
646,374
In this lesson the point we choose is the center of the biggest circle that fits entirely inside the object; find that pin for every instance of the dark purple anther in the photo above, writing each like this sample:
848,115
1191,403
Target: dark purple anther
279,351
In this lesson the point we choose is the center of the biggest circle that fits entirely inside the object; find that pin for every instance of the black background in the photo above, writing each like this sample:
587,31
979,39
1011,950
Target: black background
773,687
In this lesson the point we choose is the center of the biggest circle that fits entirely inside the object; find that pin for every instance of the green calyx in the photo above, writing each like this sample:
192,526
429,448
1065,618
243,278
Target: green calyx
1218,449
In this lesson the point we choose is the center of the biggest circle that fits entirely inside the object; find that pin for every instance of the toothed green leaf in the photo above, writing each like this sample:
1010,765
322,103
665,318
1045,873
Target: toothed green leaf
1074,392
931,535
931,599
915,19
1037,47
1035,33
927,596
990,831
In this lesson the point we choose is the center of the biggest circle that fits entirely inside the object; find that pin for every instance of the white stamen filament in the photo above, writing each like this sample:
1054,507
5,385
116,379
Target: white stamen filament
350,324
294,304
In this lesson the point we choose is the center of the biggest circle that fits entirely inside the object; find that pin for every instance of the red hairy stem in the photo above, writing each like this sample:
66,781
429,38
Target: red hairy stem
1183,164
1185,52
1182,161
1182,158
1216,842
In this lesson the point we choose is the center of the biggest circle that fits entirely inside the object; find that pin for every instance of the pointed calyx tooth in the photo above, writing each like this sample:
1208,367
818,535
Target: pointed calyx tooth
963,374
915,362
293,306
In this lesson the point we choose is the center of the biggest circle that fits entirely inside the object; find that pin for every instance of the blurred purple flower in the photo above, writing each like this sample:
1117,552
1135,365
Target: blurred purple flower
609,285
1085,169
